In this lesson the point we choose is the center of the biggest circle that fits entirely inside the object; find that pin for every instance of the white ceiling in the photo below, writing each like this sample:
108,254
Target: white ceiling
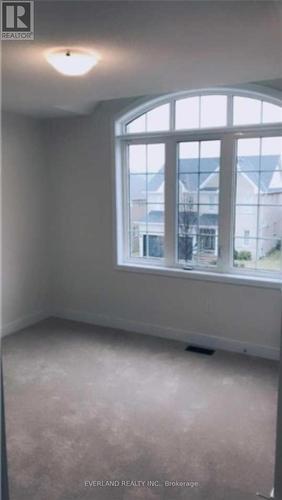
147,47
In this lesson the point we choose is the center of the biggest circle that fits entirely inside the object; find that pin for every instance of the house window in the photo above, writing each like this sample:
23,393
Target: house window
207,240
199,182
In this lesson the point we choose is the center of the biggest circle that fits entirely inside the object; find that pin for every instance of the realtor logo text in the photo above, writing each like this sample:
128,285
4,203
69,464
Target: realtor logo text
17,20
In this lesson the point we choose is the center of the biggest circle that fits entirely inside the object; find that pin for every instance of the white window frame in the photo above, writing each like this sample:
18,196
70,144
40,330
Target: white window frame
228,135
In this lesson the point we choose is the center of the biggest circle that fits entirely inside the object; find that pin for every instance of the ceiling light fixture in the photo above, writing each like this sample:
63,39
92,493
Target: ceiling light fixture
72,62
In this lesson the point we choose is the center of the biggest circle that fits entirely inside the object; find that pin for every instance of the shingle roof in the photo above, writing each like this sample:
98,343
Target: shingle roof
267,166
193,165
247,164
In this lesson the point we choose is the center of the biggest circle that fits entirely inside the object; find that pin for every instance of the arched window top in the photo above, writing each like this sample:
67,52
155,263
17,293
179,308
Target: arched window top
202,110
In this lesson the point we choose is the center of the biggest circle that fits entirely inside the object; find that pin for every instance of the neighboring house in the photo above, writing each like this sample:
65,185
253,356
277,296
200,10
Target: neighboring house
263,188
259,181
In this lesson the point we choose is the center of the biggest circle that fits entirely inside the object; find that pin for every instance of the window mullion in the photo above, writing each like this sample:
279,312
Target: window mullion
172,115
170,202
229,110
226,203
125,202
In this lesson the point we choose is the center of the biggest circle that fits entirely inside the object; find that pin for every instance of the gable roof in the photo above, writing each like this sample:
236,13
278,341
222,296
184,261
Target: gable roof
267,165
250,165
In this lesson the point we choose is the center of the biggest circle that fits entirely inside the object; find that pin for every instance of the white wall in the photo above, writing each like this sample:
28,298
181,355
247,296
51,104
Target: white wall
86,284
24,221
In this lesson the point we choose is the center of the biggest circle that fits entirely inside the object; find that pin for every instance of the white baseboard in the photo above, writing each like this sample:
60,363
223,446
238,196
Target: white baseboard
23,322
197,338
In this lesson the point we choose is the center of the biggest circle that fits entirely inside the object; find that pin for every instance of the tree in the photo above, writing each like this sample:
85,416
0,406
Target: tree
187,223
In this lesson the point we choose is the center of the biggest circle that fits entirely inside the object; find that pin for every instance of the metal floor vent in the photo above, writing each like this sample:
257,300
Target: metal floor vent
200,350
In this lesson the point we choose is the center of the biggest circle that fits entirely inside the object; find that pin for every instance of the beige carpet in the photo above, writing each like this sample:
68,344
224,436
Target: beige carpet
86,403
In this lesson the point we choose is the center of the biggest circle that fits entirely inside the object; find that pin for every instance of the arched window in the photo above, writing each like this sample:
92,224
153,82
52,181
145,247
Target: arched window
199,183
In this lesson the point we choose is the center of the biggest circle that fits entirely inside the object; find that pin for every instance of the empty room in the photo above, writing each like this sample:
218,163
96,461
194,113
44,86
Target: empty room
141,256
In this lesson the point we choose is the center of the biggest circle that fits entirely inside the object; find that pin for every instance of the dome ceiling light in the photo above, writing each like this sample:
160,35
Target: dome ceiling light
72,62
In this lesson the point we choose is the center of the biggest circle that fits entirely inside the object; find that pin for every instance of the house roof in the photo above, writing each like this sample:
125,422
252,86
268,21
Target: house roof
266,165
250,165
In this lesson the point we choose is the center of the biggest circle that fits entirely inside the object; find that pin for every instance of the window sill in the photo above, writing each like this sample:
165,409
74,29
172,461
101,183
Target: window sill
233,279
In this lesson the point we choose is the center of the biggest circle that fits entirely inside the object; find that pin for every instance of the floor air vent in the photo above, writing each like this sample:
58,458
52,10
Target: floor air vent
200,350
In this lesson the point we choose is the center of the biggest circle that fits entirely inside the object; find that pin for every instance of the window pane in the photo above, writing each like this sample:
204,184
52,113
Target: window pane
258,219
146,196
246,221
209,181
188,218
247,187
271,173
213,111
209,198
155,186
210,154
209,212
187,247
246,111
137,158
245,257
135,242
156,158
188,188
187,232
270,185
158,118
198,202
270,222
273,196
153,245
271,113
248,147
187,113
155,218
207,247
272,146
138,215
153,121
137,125
188,153
137,187
269,255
